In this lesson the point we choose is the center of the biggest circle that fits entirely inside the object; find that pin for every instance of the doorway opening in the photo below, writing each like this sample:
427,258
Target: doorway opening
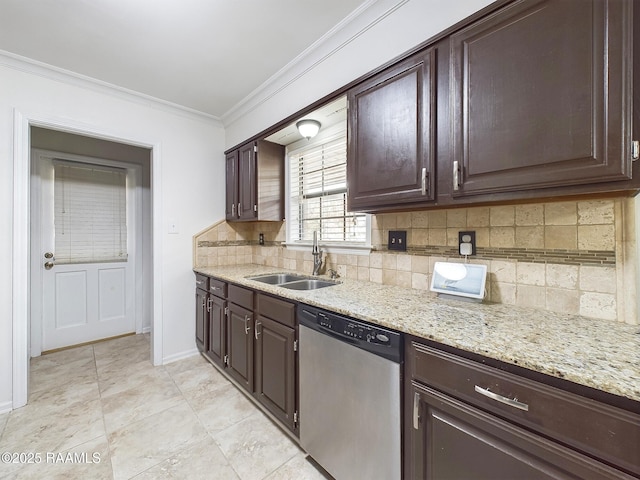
75,141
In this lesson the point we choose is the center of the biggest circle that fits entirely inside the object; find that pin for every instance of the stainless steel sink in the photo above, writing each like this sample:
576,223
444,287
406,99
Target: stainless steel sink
277,278
292,281
308,284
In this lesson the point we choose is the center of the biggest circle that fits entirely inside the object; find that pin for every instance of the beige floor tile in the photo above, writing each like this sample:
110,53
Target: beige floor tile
3,421
221,408
148,442
50,401
87,461
186,364
298,468
255,447
157,419
77,371
61,358
116,380
200,379
155,395
122,353
77,424
201,461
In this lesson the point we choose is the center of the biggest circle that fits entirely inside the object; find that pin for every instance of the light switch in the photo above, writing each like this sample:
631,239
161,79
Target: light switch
173,226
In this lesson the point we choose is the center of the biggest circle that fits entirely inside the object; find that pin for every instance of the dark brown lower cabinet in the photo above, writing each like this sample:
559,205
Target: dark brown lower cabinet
275,369
465,419
240,345
217,329
201,319
456,441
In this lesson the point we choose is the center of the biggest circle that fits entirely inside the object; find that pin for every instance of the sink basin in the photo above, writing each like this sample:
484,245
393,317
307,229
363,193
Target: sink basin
292,281
308,284
277,278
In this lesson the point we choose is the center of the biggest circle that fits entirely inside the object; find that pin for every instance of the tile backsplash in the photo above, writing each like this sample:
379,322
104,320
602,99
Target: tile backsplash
574,257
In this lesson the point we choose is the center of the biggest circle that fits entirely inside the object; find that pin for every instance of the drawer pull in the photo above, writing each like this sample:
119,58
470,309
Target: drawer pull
213,289
199,282
499,398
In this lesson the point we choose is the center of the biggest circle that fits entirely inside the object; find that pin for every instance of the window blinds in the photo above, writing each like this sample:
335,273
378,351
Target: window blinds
318,196
90,214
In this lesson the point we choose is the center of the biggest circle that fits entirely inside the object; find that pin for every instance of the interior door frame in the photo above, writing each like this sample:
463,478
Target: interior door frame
134,214
20,265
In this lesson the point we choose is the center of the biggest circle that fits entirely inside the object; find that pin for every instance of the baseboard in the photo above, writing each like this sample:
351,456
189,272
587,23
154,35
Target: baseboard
180,356
146,329
6,407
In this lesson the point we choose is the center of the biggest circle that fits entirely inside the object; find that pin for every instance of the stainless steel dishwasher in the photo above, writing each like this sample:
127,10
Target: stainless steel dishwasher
350,391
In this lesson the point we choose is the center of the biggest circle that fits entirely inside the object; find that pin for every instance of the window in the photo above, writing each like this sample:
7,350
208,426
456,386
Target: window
318,196
90,214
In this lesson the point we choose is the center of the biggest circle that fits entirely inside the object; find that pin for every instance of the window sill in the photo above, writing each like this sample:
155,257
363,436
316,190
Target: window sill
335,249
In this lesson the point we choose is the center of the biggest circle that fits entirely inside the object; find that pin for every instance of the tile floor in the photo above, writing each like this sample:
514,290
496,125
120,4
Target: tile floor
104,412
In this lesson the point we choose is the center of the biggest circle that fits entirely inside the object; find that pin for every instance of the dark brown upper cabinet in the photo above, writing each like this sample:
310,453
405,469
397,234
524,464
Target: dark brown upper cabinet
255,182
391,136
542,97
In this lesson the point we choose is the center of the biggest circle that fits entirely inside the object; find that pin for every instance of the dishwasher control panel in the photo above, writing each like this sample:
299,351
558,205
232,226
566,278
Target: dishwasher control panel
370,337
353,329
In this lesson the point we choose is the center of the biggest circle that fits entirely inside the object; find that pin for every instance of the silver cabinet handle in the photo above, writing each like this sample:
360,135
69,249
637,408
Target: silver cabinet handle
233,209
416,411
256,333
424,181
499,398
456,175
199,282
213,289
209,302
246,324
238,209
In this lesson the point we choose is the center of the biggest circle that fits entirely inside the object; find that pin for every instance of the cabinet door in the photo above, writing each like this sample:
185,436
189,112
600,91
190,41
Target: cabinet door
201,319
217,323
275,369
451,440
240,345
231,195
247,182
541,96
391,136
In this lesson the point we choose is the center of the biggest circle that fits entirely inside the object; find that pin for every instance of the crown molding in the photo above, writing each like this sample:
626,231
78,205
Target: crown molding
50,72
349,29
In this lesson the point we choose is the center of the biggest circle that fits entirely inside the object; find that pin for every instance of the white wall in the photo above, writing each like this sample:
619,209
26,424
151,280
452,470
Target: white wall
192,186
387,29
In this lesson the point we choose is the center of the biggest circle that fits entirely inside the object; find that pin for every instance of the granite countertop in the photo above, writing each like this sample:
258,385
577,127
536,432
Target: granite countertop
595,353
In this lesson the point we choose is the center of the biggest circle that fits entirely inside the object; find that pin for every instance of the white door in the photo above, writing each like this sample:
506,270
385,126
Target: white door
87,290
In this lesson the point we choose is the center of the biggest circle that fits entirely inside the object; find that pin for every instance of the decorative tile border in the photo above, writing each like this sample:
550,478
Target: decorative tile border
530,255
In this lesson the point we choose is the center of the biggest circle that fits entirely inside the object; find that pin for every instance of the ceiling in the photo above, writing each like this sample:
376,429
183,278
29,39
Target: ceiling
206,55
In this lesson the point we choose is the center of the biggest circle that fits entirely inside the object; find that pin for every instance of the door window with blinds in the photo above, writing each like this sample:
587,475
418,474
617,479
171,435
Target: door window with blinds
90,213
318,196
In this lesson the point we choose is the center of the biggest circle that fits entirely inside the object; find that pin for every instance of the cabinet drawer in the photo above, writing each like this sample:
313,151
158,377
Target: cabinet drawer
608,433
241,296
202,281
218,288
278,310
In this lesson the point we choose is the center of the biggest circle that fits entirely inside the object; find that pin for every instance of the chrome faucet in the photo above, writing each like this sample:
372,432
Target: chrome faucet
317,255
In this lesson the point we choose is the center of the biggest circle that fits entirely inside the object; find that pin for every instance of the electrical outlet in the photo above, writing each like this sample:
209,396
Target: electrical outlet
397,240
261,238
467,243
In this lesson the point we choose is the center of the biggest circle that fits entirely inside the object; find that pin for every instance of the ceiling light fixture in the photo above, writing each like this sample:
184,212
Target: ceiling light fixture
308,128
